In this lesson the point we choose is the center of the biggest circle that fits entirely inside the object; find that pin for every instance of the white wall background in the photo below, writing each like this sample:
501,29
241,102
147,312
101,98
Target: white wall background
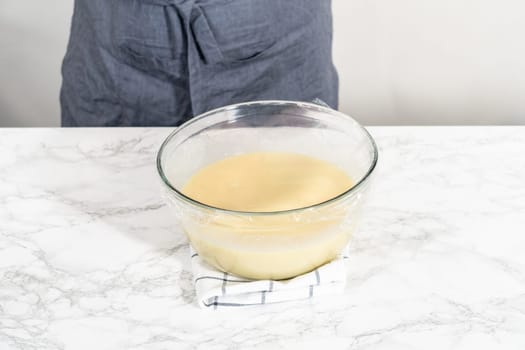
431,61
33,37
400,62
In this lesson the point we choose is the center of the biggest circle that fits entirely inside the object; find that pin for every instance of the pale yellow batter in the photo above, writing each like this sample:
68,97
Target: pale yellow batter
265,182
269,245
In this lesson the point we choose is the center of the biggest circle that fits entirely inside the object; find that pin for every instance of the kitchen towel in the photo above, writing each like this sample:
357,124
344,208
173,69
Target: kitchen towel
217,289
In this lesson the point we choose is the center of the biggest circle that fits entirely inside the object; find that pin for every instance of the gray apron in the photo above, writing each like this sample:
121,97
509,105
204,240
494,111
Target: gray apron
161,62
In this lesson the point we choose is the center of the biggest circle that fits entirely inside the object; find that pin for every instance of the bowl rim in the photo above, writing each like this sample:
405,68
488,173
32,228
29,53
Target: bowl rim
329,201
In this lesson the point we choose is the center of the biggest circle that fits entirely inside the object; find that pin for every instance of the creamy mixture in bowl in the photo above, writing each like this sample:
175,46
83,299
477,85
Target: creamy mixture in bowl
268,190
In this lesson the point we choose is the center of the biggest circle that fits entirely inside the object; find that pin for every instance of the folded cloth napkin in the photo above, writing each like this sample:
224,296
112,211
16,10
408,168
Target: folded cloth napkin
217,289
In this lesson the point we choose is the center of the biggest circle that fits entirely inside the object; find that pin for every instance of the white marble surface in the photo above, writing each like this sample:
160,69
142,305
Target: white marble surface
90,257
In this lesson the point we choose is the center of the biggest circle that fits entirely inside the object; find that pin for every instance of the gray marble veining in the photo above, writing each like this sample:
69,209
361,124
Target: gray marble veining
91,258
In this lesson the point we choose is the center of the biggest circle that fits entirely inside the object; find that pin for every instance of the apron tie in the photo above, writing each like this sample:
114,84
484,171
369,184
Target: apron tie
198,29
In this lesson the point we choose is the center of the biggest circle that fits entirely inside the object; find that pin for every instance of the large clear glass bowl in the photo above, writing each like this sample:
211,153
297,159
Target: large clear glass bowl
268,245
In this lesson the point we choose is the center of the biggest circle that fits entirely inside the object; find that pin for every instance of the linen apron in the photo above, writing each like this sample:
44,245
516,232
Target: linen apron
161,62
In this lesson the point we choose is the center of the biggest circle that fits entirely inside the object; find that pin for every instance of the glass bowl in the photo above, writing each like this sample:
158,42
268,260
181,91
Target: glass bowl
268,245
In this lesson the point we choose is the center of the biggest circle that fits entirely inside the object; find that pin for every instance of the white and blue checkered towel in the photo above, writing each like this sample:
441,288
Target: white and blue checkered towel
217,289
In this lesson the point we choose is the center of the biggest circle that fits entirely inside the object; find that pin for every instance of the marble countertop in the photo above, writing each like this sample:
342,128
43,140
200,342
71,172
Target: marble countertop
91,258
